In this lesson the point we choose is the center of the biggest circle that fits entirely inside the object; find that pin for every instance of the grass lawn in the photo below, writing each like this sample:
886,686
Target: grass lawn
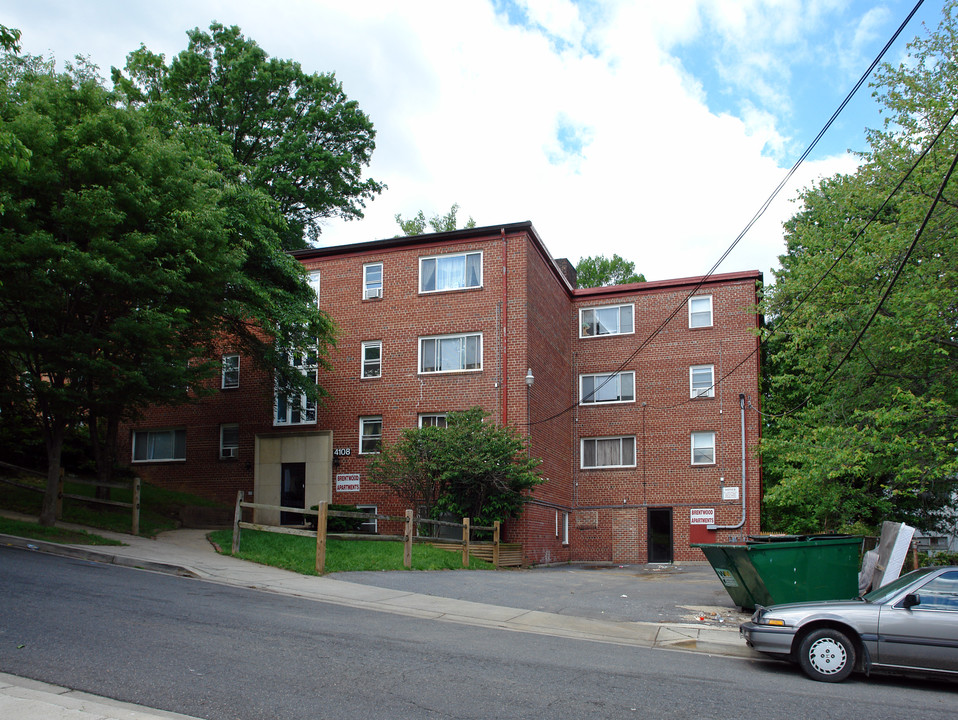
292,552
158,508
24,529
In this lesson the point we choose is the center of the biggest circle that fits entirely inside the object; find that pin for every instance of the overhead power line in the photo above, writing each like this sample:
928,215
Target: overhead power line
756,217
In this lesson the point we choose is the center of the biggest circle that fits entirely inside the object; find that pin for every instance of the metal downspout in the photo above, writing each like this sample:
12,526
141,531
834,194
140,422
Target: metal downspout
741,405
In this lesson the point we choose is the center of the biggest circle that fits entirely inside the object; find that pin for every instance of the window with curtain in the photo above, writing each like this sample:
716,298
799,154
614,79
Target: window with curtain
159,445
450,272
608,452
450,353
607,388
611,320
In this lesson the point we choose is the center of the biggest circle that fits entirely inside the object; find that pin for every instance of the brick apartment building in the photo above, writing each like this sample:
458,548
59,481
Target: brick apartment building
642,404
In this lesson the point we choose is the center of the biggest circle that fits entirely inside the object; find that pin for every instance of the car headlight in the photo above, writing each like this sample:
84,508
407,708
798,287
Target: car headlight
761,617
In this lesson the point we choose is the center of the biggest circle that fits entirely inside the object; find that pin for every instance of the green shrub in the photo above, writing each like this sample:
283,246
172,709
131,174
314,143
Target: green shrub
338,524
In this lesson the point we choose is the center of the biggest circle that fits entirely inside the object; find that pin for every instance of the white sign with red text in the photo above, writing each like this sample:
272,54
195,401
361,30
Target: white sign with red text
702,516
347,483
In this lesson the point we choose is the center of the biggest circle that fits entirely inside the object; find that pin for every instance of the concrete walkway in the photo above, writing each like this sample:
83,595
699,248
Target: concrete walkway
188,553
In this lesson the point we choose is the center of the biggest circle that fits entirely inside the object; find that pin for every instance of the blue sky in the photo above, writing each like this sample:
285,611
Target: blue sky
653,130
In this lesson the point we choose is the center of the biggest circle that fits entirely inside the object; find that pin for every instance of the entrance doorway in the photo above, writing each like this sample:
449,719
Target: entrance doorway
660,535
292,492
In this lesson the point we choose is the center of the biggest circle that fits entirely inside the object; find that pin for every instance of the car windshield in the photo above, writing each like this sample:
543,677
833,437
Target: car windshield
885,592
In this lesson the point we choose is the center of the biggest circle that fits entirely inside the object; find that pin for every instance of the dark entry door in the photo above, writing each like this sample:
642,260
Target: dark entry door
293,492
660,535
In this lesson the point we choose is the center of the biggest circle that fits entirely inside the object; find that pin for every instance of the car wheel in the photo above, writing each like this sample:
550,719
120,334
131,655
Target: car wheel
827,655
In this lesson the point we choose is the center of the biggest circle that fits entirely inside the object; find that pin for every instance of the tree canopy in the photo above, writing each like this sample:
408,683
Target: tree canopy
126,255
470,468
862,367
600,271
292,134
416,225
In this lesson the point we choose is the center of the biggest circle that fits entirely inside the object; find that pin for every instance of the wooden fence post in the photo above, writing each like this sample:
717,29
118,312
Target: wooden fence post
136,506
495,544
407,541
321,518
59,510
237,516
465,542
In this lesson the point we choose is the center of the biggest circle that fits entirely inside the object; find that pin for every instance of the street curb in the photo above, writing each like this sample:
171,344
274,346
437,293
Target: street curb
94,556
708,640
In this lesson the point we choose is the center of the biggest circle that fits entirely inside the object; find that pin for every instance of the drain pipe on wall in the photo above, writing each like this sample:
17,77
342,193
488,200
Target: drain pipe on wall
741,405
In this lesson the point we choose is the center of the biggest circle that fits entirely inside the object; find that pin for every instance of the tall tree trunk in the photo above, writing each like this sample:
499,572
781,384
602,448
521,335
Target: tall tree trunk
53,437
104,452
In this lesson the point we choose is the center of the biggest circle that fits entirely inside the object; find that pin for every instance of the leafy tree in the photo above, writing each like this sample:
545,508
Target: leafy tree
600,271
9,39
12,152
294,135
470,468
439,223
125,256
413,467
871,436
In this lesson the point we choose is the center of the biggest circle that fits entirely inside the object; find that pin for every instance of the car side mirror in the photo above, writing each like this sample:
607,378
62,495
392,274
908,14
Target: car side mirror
911,599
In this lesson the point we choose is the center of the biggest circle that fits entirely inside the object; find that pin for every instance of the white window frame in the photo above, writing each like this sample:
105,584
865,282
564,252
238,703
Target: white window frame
371,525
372,288
604,382
313,281
703,442
177,442
296,409
449,258
619,438
697,316
436,418
229,448
701,390
231,371
377,438
463,352
583,324
367,364
562,527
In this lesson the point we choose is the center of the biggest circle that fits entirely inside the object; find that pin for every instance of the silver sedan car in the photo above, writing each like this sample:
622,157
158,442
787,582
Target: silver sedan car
909,625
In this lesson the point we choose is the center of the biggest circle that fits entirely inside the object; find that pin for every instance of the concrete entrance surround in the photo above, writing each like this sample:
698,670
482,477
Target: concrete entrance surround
271,451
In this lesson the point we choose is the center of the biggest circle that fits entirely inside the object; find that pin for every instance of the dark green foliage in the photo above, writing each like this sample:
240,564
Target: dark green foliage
471,468
127,251
338,524
293,135
871,437
416,225
599,271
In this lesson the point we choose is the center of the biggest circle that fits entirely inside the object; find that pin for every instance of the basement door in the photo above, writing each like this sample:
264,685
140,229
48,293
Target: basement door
292,492
660,535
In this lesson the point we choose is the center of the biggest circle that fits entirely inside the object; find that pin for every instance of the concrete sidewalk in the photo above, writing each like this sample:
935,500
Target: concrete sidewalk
188,553
23,699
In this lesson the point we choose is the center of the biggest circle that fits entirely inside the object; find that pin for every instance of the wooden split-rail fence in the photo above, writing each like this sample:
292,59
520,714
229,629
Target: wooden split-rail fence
496,552
133,486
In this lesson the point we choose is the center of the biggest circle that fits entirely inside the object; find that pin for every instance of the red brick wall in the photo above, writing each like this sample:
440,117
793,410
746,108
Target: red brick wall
612,504
528,319
398,320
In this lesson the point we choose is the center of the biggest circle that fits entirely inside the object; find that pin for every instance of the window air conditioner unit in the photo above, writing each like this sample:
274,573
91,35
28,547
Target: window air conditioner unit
228,452
372,293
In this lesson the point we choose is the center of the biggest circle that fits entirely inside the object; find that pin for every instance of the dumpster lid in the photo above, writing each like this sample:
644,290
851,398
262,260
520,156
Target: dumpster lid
797,538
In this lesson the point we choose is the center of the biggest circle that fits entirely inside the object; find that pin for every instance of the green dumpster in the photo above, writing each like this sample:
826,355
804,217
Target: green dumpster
785,569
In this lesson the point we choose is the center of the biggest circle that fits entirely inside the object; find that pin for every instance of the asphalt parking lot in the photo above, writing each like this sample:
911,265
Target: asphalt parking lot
689,593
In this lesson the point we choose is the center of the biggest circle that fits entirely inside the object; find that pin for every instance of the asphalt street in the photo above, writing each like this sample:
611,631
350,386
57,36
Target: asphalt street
687,593
224,652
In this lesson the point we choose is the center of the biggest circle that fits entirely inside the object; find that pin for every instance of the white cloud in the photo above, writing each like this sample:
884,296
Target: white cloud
581,119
